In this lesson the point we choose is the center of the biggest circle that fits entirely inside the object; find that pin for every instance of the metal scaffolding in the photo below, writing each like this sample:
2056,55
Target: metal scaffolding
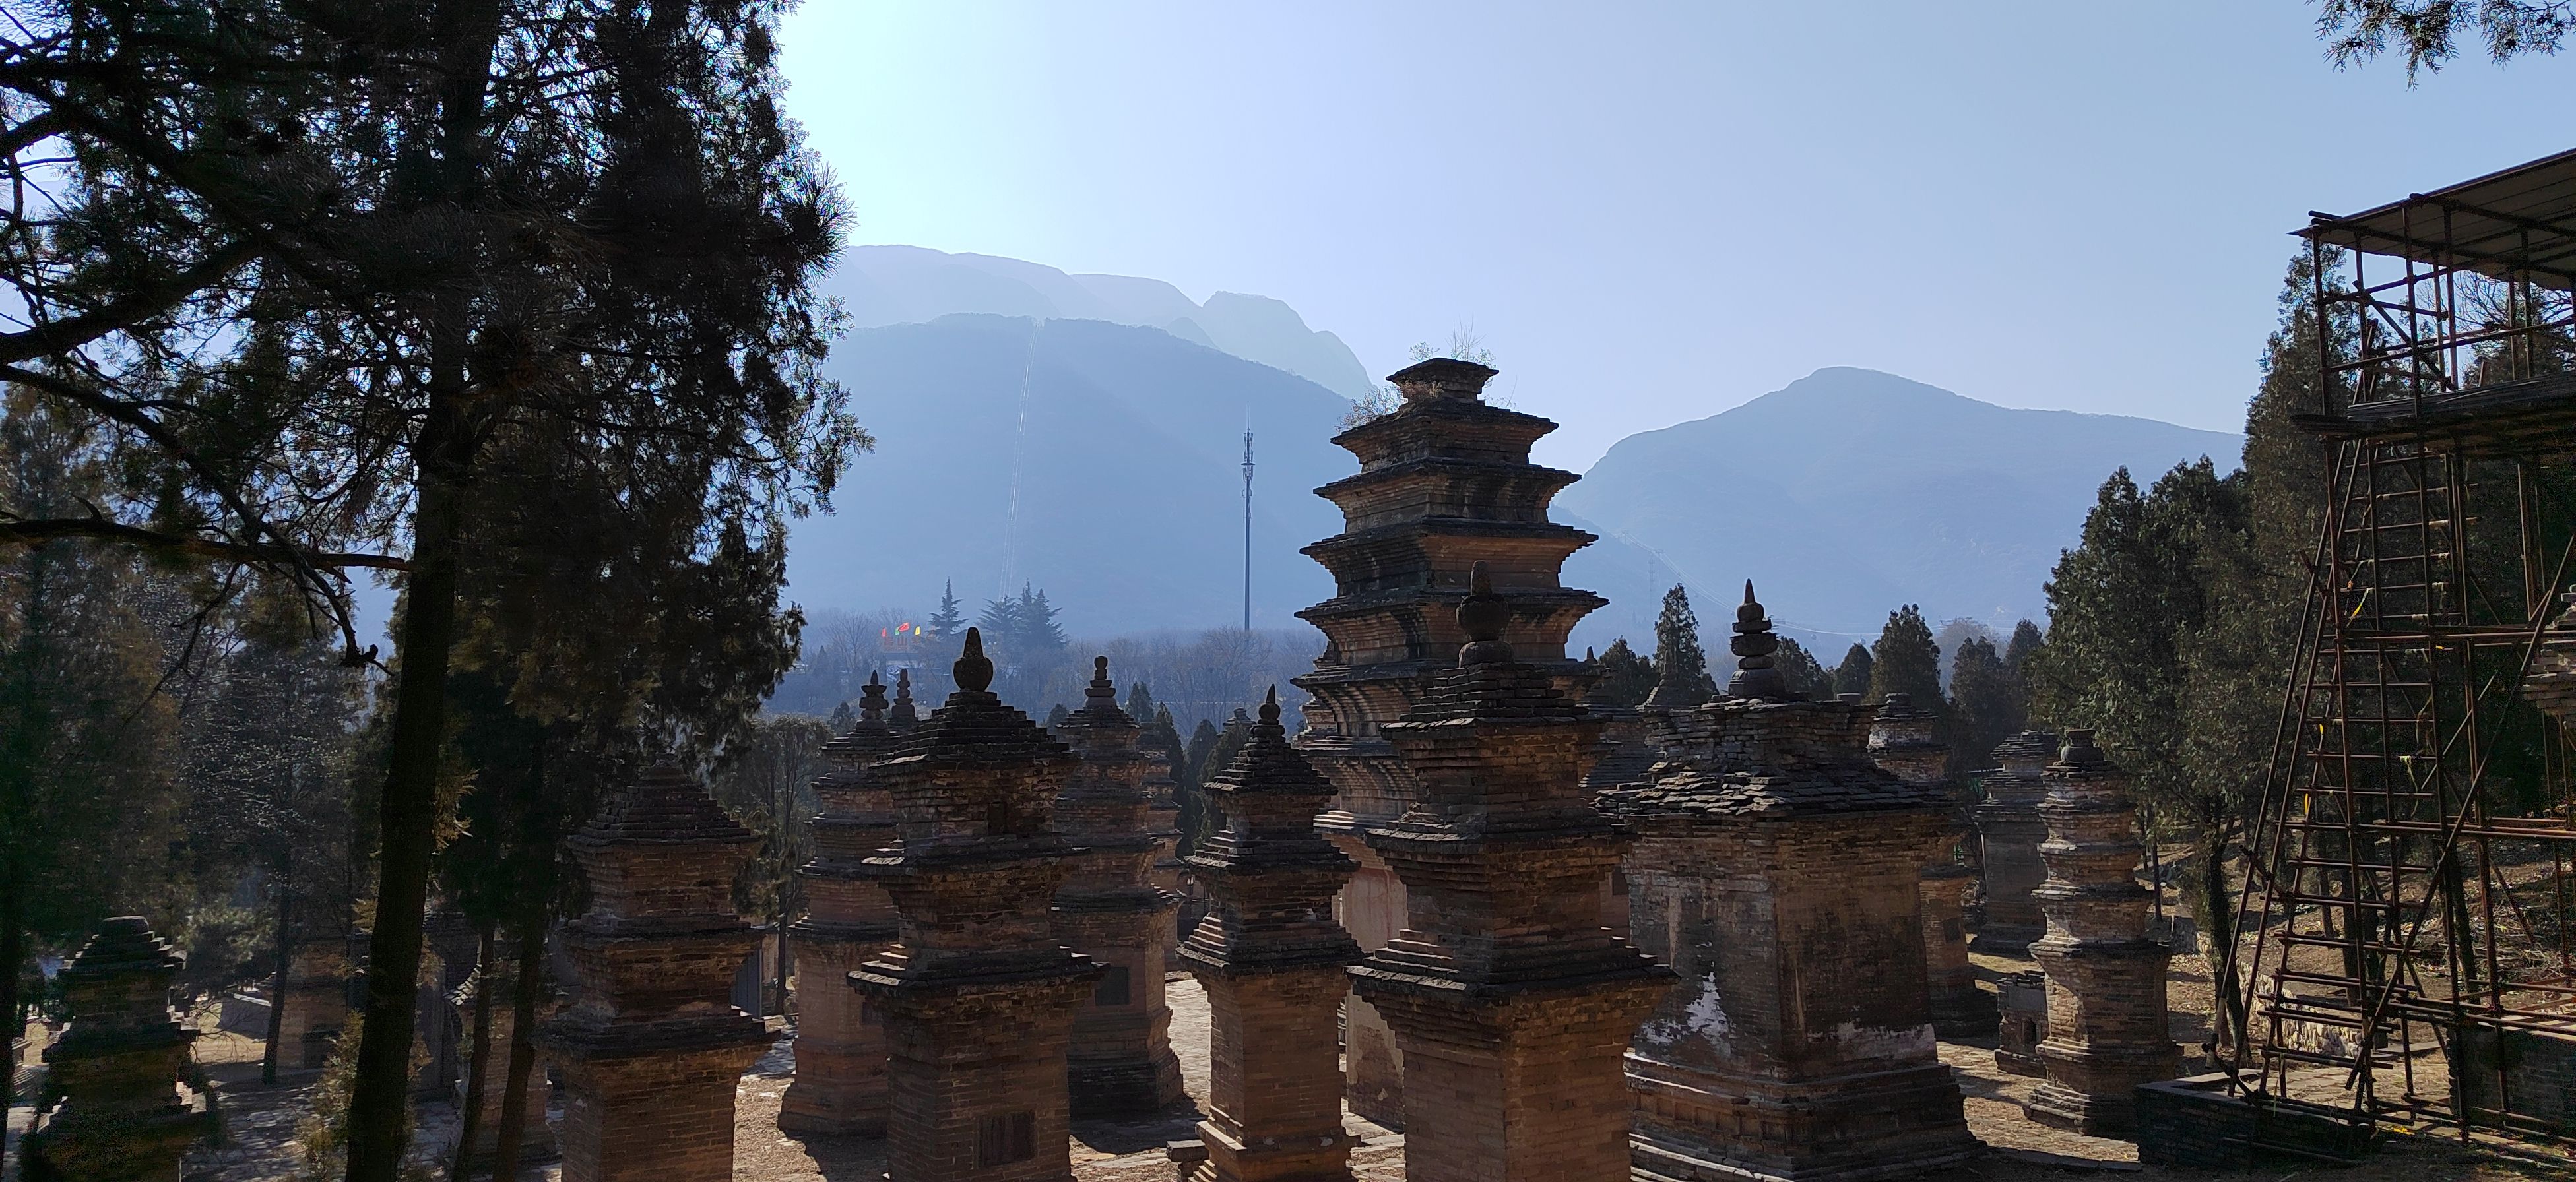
2407,891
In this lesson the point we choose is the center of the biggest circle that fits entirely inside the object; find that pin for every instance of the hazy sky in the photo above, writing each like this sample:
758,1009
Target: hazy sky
1653,212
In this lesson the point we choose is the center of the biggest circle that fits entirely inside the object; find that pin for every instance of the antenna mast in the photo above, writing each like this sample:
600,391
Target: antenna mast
1247,519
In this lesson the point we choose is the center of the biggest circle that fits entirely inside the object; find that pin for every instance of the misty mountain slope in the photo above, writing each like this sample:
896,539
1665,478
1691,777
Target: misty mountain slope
1850,491
1099,461
1124,448
882,285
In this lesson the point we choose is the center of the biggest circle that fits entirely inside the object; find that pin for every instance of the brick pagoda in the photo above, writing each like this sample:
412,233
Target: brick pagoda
1272,961
1775,870
651,1046
840,1084
1902,742
978,997
1510,1001
1444,482
2106,978
2008,835
499,982
316,998
123,1115
1120,1061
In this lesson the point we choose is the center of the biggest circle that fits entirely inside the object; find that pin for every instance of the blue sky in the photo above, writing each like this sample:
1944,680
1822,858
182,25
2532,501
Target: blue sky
1653,212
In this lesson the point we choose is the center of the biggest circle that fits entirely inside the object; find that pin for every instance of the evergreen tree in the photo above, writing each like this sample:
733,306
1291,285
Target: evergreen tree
2153,639
1906,661
313,258
1799,669
1056,716
87,806
1040,634
1992,705
1000,624
2025,641
950,620
1681,667
1852,676
1202,745
1626,678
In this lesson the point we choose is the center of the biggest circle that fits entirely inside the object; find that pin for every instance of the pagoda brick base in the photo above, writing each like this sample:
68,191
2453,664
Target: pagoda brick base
840,1084
1272,1043
2098,989
1527,1086
1706,1126
1959,1008
1120,1060
978,1078
655,1113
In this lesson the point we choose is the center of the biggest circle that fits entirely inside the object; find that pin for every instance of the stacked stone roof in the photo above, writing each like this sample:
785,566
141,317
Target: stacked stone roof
1445,482
1743,758
1271,875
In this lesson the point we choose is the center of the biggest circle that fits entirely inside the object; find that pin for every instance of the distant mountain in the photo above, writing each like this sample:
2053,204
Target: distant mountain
1101,462
1849,492
882,285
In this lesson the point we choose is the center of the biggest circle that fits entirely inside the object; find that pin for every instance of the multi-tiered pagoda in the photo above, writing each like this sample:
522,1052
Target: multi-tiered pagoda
840,1084
1445,482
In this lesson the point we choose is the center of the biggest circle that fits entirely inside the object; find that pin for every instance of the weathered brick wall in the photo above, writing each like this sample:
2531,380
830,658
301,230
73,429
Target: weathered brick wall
2530,1073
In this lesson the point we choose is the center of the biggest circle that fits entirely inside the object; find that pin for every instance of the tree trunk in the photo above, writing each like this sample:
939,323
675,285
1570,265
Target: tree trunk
285,968
405,836
523,1034
468,33
2220,917
470,1115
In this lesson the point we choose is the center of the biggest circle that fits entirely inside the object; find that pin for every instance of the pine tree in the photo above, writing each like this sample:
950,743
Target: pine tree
1681,667
1626,678
1852,676
949,622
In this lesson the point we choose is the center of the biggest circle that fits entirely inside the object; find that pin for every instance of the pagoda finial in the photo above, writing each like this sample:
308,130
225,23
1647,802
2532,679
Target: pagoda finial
1753,645
1482,617
974,670
1101,694
872,700
904,715
1270,706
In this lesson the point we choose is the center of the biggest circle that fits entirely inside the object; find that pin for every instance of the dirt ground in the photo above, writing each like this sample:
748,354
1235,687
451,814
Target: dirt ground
261,1122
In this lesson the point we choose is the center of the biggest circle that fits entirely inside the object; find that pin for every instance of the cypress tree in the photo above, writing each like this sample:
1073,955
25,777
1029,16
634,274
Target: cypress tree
2026,640
1798,667
1681,667
1906,661
1626,677
1852,676
1989,698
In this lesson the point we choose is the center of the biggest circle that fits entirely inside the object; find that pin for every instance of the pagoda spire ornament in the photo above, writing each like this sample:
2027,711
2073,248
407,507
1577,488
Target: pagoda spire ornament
1120,1062
977,995
1753,644
840,1084
1510,1003
1271,959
